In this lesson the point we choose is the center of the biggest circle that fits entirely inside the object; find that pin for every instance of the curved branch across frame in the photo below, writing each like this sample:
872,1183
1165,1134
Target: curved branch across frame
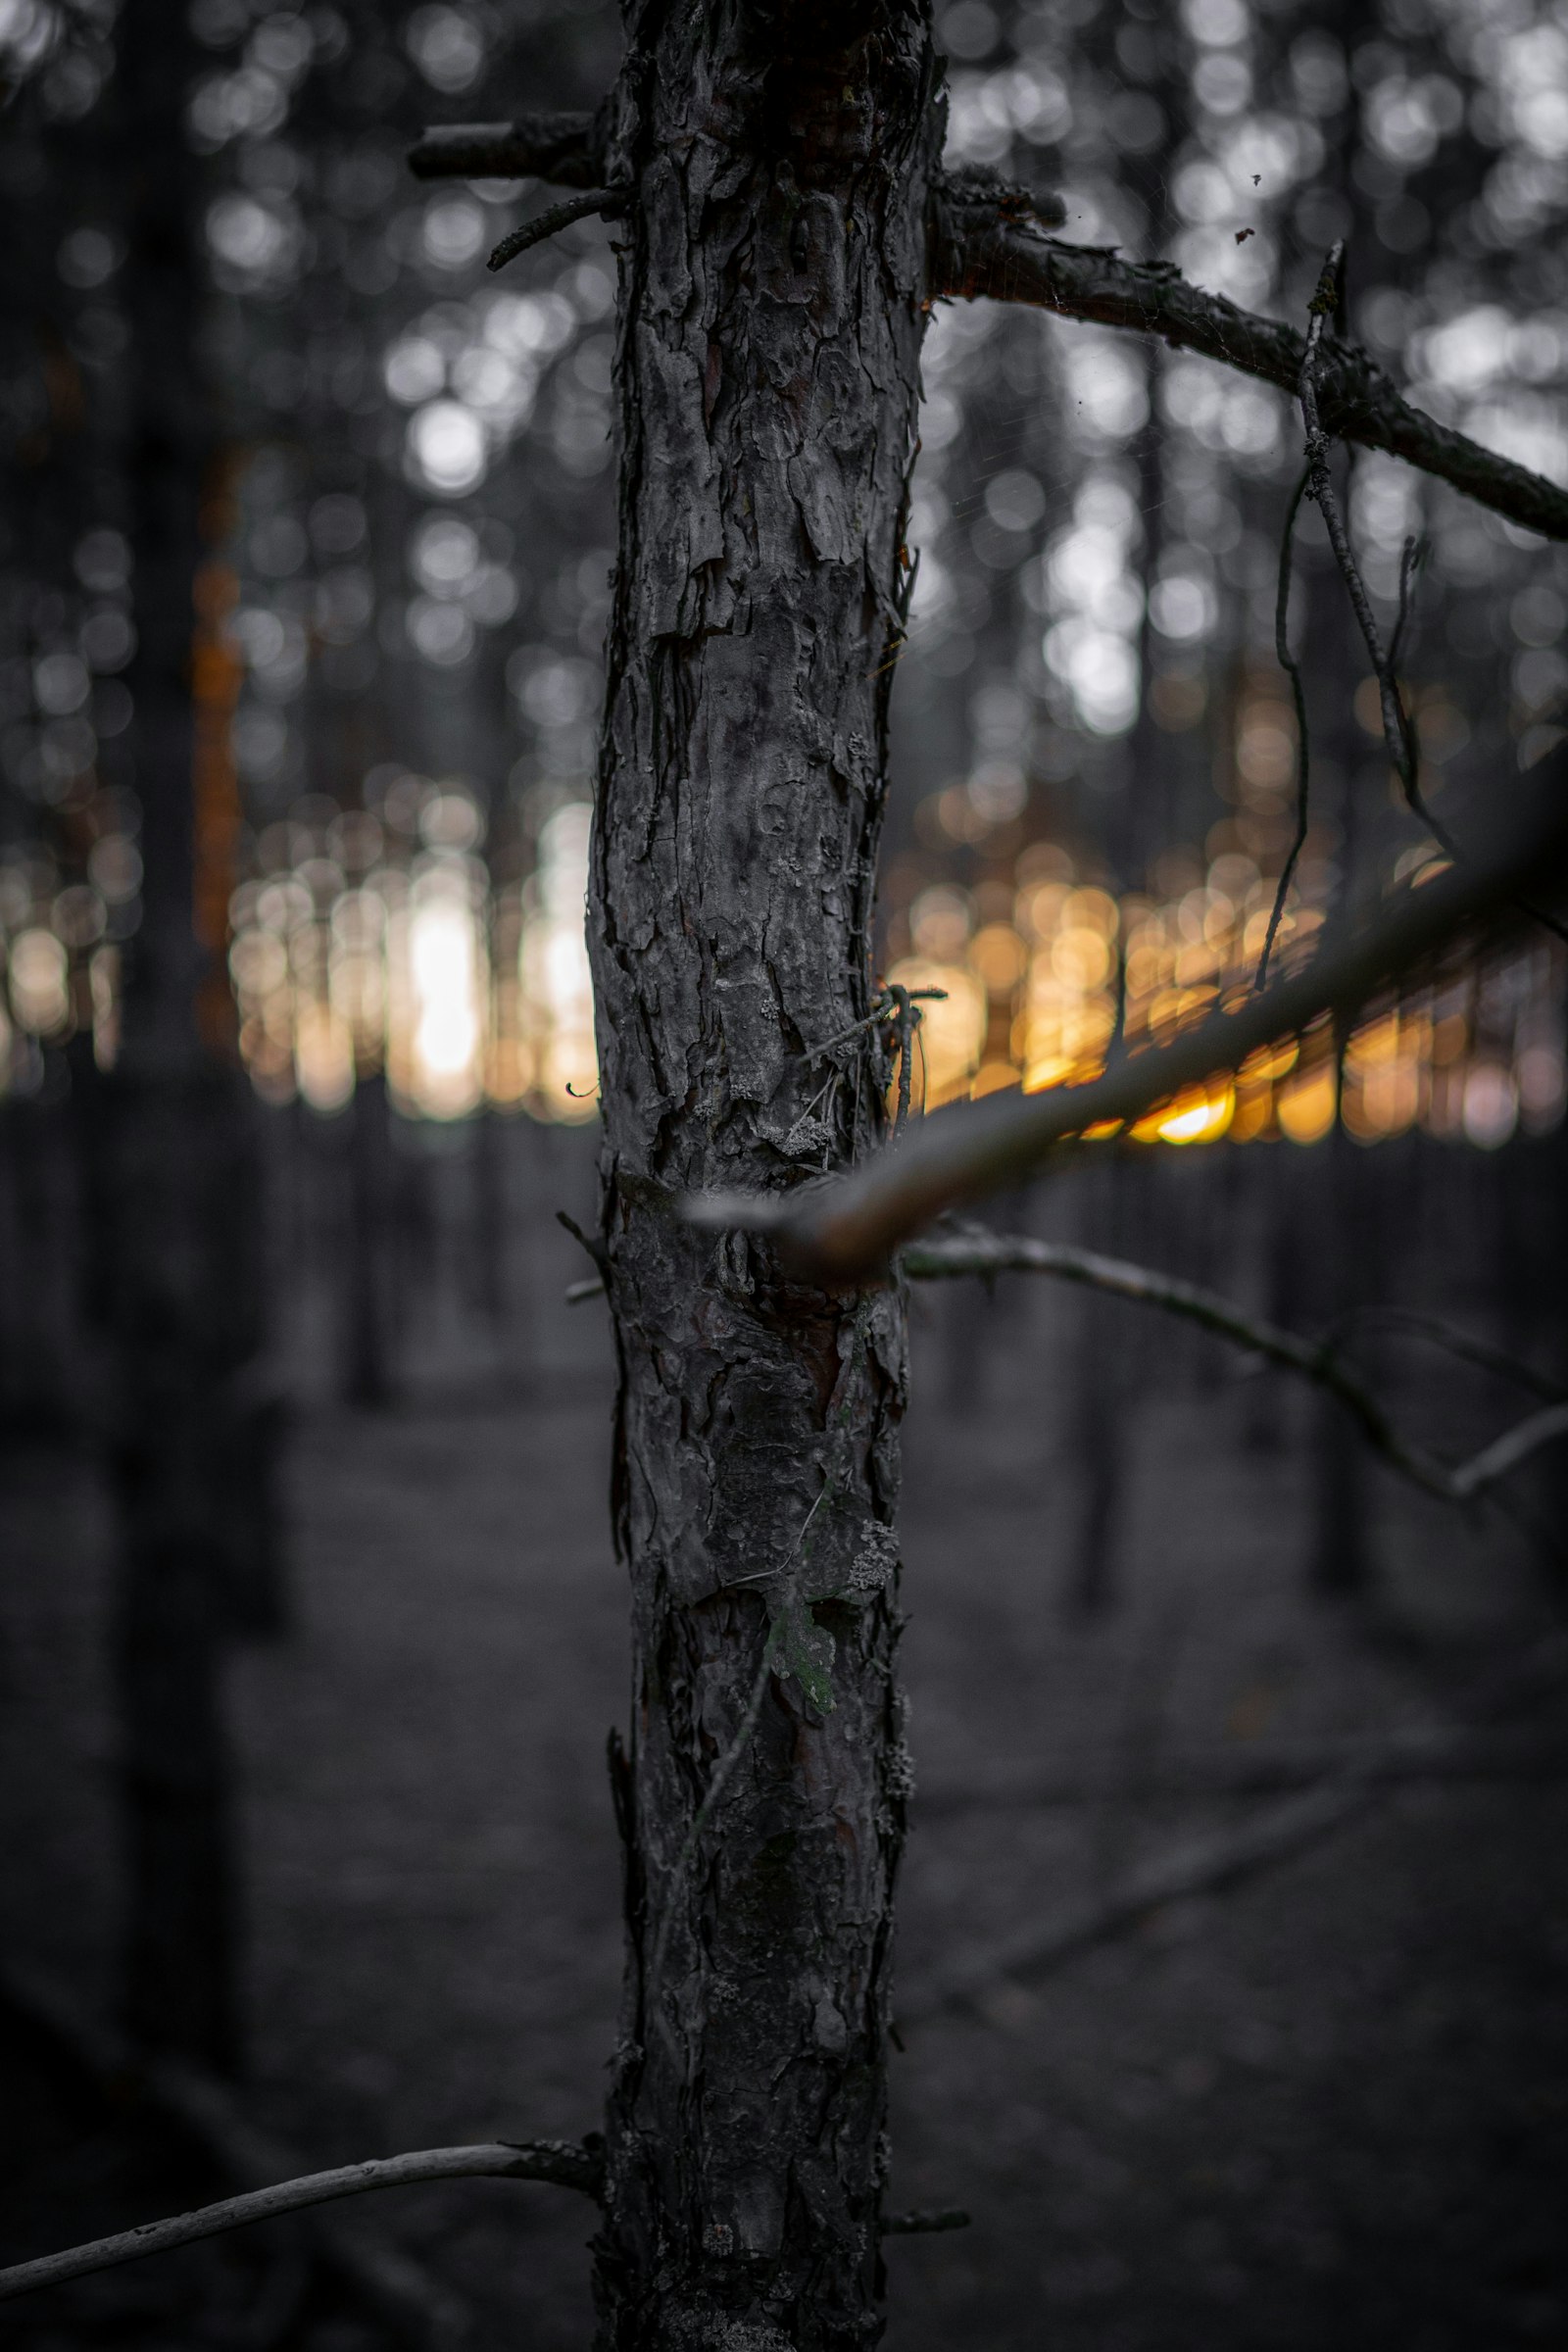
563,2162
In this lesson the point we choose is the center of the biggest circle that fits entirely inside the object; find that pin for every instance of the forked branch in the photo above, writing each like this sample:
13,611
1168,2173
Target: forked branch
984,249
846,1230
1318,1360
563,2162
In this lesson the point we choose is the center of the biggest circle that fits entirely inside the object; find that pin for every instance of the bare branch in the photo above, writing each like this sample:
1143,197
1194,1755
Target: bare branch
1398,726
1460,1344
847,1229
608,203
1506,1453
983,250
558,147
563,2162
911,2225
1316,1361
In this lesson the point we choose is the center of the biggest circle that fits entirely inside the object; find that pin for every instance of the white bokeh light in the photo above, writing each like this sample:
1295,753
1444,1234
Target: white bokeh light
446,447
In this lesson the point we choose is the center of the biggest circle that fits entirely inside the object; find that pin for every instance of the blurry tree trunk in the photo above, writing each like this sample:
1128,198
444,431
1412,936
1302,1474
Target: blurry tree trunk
1101,1408
180,1204
1340,1563
370,1241
771,314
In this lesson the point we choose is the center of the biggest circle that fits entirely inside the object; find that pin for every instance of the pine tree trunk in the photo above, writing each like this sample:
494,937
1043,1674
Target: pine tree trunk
771,312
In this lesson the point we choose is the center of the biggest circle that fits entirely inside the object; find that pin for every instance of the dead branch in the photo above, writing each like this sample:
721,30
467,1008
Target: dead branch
981,249
558,147
1461,1343
1398,726
1319,1361
846,1230
1204,1865
608,203
1506,1453
563,2162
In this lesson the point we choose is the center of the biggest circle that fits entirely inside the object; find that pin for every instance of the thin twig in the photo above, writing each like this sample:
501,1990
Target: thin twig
882,1009
1506,1453
989,1255
724,1768
1397,729
1398,726
905,1018
563,2162
1460,1344
846,1229
596,1249
608,203
1291,669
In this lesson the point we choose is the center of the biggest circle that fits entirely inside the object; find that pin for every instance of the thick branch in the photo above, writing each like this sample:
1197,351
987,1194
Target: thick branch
563,2162
560,147
1316,1361
984,250
844,1231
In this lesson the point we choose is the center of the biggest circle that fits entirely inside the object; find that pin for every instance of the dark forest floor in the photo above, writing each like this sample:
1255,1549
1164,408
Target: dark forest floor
1325,2106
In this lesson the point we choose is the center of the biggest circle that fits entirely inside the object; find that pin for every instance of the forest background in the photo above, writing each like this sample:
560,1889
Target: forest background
401,604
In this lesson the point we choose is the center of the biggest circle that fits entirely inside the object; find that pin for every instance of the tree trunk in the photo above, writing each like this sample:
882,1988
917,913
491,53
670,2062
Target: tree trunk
771,311
180,1200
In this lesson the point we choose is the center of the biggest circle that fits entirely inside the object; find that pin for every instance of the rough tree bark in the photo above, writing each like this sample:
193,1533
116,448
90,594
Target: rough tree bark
773,302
